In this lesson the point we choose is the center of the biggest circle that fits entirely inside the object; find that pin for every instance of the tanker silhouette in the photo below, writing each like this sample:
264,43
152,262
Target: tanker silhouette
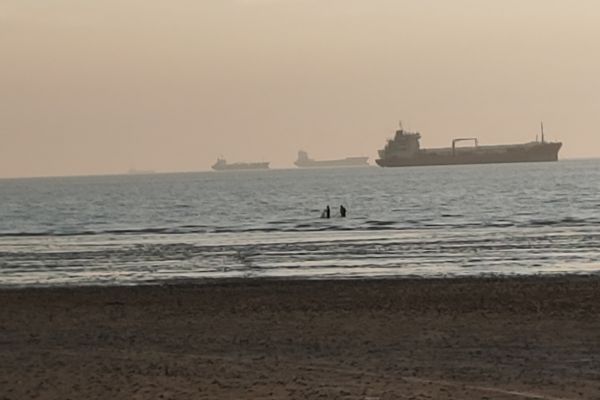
223,165
304,161
404,151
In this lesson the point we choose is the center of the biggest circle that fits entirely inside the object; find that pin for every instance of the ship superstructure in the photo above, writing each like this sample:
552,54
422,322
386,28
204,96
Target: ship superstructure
404,150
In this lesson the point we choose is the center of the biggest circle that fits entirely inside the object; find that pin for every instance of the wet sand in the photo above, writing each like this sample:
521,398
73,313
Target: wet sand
517,338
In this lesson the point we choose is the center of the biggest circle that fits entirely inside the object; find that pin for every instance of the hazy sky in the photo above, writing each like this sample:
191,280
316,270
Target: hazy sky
101,86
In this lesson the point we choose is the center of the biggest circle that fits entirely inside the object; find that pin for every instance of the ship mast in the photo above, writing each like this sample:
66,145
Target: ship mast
542,126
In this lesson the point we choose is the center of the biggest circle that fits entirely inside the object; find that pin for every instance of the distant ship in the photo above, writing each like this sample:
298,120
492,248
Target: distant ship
404,151
222,165
304,161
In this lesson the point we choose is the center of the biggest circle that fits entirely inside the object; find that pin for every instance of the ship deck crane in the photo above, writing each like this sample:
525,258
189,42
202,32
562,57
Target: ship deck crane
462,140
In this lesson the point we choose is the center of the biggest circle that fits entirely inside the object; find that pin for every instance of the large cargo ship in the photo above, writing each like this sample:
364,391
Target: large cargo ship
404,151
222,165
304,161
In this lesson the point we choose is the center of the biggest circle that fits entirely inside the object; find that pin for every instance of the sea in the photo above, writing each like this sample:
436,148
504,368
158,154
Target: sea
443,221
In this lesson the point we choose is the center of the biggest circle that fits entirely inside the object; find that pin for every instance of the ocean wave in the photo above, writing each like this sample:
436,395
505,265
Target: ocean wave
291,226
565,221
418,254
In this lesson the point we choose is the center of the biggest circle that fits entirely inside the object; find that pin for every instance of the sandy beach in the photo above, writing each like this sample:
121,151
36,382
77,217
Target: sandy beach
476,338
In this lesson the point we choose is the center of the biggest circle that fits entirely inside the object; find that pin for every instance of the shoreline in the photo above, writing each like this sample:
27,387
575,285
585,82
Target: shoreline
186,282
460,338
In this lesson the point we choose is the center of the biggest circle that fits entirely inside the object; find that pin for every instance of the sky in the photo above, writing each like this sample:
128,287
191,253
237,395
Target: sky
100,87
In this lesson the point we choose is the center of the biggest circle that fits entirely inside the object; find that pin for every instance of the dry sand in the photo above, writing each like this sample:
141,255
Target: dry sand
525,338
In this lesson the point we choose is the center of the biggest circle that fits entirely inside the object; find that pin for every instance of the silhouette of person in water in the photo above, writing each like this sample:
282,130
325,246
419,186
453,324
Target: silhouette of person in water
326,213
342,211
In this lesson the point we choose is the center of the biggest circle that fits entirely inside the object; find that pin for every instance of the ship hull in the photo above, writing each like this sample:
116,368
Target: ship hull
347,162
539,152
241,166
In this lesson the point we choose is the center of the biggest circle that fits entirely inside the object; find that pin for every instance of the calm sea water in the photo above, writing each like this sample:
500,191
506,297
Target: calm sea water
423,221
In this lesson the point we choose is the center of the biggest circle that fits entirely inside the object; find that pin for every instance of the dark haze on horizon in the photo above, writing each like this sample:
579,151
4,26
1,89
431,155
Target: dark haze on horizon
99,87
